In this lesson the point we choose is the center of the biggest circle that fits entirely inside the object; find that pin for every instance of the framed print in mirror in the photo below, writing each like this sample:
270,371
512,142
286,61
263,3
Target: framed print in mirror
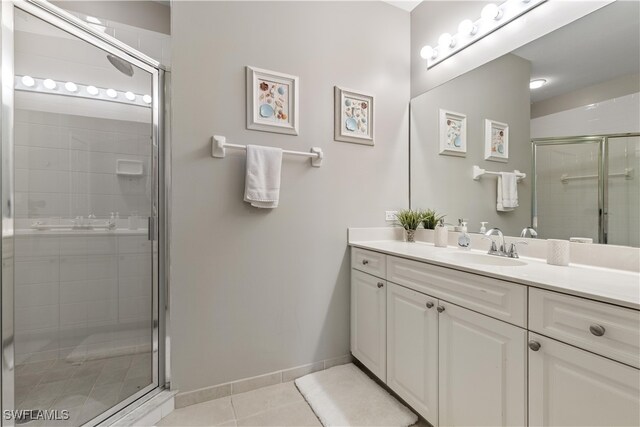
272,101
496,141
353,116
453,133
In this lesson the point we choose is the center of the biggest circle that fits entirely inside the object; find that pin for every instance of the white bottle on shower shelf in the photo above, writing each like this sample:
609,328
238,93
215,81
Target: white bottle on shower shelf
441,235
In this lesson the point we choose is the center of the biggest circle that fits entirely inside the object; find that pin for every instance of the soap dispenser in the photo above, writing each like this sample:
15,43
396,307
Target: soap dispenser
441,237
483,227
464,240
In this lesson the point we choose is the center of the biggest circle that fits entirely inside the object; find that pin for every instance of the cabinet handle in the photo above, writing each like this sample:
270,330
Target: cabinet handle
440,309
380,284
534,345
365,261
597,330
429,304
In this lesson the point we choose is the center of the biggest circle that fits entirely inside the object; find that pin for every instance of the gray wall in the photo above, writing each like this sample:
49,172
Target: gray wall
254,291
499,91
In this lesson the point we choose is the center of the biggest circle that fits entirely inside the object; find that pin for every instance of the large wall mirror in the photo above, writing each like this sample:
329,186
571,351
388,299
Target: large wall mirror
564,110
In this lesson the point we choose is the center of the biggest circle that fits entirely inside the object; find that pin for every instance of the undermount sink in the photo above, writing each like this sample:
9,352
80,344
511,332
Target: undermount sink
485,259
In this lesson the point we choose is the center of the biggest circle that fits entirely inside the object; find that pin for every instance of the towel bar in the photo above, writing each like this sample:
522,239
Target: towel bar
219,144
478,172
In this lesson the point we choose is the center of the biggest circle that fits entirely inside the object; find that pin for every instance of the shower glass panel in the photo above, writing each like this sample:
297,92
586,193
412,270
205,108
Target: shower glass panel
84,192
623,193
566,189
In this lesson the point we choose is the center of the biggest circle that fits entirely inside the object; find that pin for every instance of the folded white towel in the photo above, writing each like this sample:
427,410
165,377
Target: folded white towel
507,192
262,181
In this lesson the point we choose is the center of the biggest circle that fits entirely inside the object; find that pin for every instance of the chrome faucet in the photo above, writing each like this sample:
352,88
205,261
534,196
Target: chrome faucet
531,231
494,249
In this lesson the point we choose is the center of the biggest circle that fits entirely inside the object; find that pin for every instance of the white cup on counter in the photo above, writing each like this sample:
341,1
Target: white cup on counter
558,252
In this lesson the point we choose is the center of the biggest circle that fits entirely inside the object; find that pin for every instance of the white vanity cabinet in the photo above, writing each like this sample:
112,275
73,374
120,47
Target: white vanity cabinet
468,349
412,349
573,387
368,322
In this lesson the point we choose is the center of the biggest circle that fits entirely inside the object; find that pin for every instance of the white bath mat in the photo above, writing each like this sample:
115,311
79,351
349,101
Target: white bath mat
346,396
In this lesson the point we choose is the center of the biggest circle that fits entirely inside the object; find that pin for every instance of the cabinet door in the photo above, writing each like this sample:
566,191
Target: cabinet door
572,387
369,322
482,369
412,349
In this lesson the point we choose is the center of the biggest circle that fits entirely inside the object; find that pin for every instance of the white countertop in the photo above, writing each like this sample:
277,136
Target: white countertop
602,284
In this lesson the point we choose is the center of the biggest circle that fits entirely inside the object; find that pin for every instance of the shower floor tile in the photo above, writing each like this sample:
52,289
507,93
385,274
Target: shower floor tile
85,389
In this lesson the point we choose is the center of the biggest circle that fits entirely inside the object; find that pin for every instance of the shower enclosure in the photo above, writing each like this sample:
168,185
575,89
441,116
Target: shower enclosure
588,186
83,220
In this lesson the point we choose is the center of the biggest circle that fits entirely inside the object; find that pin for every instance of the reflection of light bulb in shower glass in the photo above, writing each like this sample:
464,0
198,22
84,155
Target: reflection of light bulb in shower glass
71,86
147,99
28,81
111,93
130,96
49,84
92,90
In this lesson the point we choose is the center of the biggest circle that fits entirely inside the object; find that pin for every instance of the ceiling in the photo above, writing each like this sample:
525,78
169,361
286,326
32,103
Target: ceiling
407,5
601,46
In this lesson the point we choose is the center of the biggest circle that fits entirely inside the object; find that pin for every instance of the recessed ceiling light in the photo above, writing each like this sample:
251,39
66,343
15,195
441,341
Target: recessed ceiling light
28,81
49,84
93,20
537,83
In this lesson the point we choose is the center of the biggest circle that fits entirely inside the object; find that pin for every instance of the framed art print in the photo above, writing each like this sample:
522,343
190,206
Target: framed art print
496,141
354,118
272,101
453,133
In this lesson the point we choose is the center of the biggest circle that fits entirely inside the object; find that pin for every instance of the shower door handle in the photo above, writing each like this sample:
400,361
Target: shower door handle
151,228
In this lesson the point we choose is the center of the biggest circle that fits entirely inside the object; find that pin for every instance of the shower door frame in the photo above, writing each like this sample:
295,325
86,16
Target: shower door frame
161,186
603,174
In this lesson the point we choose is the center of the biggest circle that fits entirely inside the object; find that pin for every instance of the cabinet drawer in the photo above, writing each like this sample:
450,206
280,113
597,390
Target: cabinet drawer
496,298
599,327
370,262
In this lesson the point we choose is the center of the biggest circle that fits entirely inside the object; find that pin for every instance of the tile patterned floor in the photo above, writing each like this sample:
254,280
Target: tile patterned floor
277,405
85,389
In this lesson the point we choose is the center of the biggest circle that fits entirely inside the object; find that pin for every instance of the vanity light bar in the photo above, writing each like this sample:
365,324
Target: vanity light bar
492,18
50,86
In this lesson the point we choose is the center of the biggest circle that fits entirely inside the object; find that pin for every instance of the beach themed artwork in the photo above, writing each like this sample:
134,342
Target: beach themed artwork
272,101
353,116
453,133
496,141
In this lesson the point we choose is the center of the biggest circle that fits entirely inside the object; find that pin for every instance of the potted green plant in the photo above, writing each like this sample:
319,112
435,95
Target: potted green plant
410,220
431,218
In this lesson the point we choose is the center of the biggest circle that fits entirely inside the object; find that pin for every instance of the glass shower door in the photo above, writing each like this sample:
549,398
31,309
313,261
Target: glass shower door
623,191
567,193
84,191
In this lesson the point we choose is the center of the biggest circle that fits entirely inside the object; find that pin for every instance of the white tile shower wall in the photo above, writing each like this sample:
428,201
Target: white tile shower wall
81,297
66,166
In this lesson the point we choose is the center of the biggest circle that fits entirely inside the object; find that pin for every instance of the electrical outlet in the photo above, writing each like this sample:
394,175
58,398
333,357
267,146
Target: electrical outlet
390,215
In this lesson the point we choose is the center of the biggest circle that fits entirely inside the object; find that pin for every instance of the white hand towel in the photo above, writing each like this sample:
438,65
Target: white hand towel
507,192
262,181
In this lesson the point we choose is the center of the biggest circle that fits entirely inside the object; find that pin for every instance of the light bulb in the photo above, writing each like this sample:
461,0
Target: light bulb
93,20
92,90
130,96
491,11
147,99
49,84
446,40
71,86
112,93
28,81
537,83
467,27
427,52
